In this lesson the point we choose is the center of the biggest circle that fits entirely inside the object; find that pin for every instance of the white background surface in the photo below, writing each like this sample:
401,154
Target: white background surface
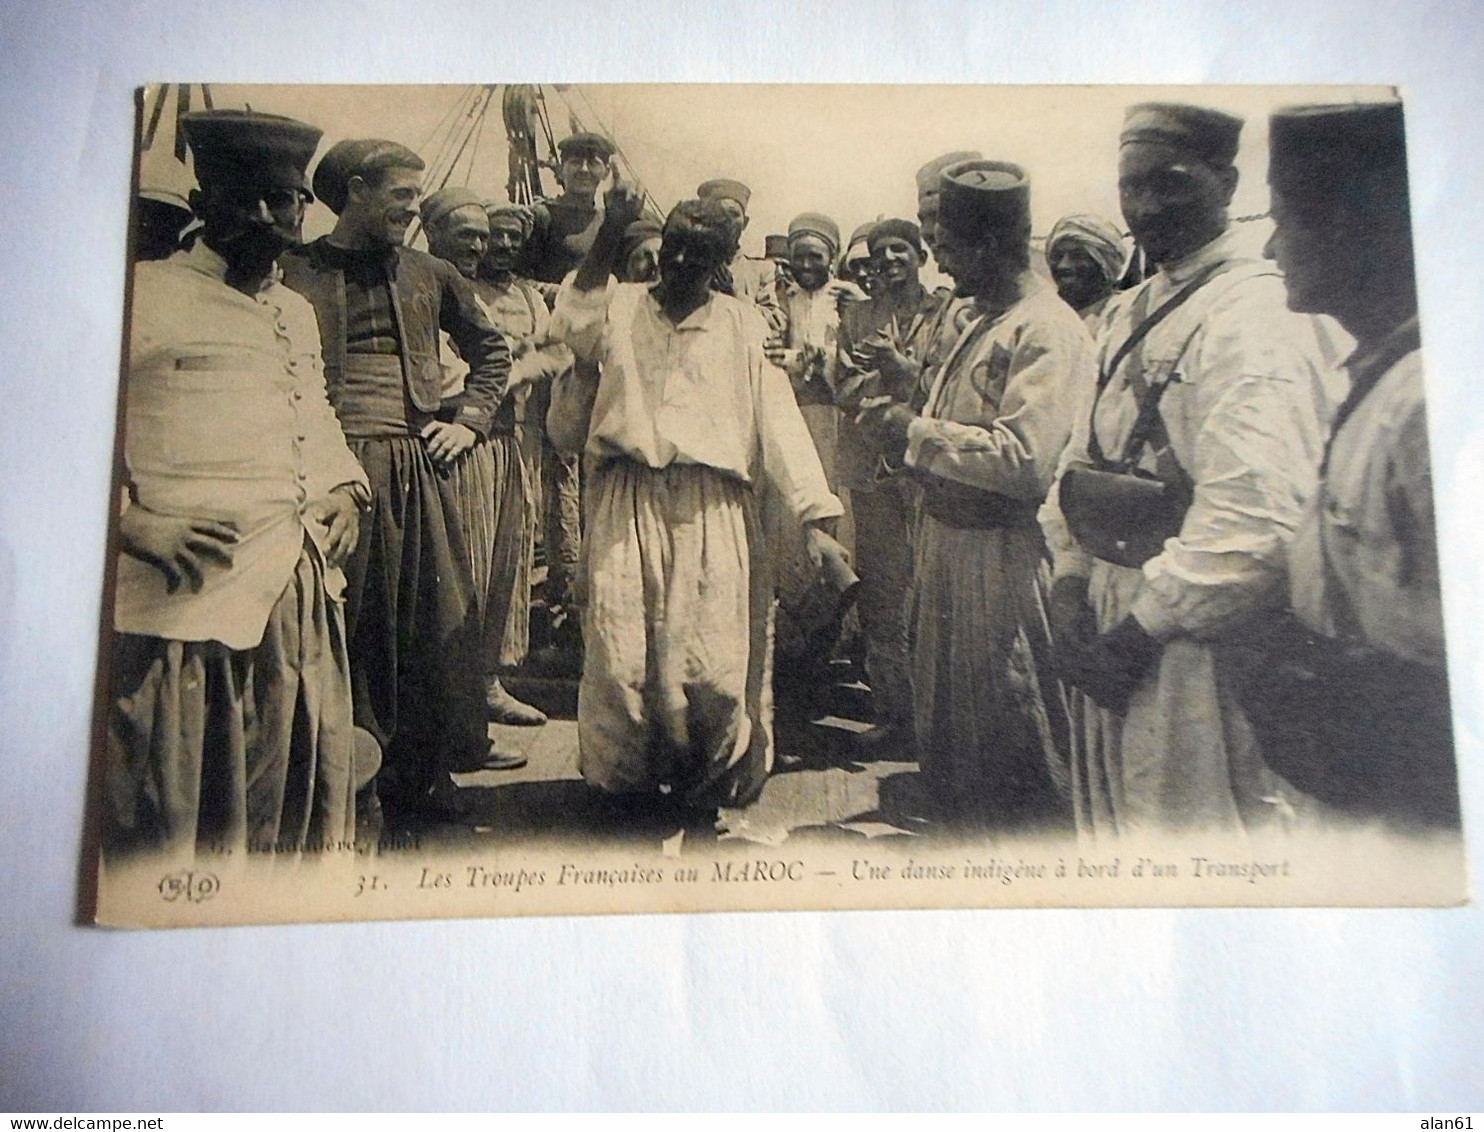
1097,1010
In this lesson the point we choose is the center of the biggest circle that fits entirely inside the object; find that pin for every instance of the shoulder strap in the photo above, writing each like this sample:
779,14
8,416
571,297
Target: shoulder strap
1165,309
1140,332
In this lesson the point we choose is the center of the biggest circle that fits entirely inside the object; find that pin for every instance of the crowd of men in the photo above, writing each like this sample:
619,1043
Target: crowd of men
1134,555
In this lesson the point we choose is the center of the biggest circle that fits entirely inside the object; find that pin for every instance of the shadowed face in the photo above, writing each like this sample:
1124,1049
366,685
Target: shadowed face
460,238
249,224
1313,252
643,262
507,236
1079,279
1173,203
809,261
927,222
689,254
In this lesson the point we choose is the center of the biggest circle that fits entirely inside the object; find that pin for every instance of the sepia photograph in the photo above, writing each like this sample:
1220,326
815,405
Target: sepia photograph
573,498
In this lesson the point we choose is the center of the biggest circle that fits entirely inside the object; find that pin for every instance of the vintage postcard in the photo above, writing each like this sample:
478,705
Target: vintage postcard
547,499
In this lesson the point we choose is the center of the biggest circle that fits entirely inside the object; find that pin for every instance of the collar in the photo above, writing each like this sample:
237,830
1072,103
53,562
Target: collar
325,254
698,319
1182,271
204,260
1368,363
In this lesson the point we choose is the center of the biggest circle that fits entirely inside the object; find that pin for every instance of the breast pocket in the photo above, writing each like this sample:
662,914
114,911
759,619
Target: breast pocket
208,420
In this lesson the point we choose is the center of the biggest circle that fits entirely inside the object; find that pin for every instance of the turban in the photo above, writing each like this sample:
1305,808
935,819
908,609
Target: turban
980,197
635,234
585,143
900,229
519,213
445,202
1094,235
245,147
1319,153
721,188
1208,135
357,158
816,224
928,175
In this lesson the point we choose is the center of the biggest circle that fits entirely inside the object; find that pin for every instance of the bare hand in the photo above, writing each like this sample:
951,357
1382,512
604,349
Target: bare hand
846,293
817,544
338,514
622,205
447,442
179,548
886,421
880,353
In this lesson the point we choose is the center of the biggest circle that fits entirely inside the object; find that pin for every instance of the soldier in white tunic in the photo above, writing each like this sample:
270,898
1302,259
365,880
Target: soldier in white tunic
1176,501
1364,565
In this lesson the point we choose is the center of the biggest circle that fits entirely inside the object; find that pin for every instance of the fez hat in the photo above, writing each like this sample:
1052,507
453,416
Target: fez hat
816,224
636,233
775,246
251,148
723,188
356,157
928,176
898,228
585,142
1209,135
1318,152
445,201
984,196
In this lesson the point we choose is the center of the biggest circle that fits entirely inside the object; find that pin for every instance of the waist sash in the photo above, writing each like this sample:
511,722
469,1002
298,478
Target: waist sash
371,399
968,508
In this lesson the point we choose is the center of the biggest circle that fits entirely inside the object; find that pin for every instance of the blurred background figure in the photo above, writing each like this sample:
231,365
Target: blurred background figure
1087,258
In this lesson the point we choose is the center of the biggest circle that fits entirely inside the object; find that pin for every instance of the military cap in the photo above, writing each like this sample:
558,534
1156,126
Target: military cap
1208,135
898,228
815,224
1320,151
243,146
358,157
722,188
446,201
928,176
984,196
585,142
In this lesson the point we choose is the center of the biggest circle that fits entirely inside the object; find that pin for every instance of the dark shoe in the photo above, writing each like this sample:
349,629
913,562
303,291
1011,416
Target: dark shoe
555,662
505,708
414,810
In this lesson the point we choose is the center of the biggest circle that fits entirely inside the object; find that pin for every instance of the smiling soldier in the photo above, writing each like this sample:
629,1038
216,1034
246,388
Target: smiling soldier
412,611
